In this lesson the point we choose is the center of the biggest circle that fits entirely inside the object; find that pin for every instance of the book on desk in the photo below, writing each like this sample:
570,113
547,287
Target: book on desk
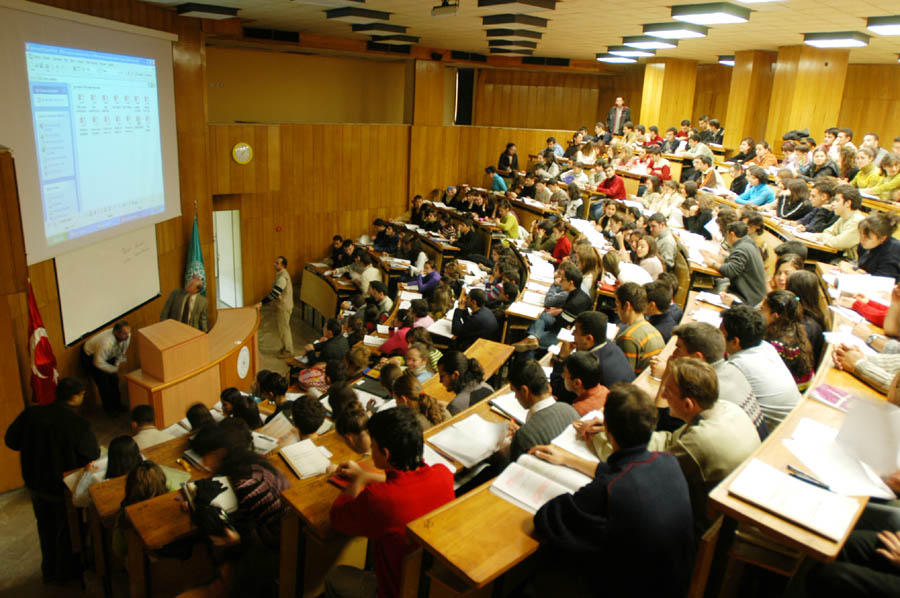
530,482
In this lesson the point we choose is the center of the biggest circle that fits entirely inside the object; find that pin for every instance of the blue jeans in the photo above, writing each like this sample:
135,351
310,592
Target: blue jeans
542,329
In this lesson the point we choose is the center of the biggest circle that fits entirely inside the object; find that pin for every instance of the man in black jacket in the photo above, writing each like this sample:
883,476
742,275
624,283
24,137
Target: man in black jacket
618,116
542,333
629,530
52,439
469,326
331,346
469,243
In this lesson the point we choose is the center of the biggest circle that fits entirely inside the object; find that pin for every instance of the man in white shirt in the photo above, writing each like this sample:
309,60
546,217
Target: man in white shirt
744,328
362,272
579,178
101,356
146,434
844,137
188,306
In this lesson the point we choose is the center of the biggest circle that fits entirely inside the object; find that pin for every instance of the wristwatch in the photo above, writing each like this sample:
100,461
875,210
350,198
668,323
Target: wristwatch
871,338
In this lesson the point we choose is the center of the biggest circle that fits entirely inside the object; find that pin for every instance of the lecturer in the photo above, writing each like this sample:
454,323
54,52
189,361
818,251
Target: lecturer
101,356
187,305
618,116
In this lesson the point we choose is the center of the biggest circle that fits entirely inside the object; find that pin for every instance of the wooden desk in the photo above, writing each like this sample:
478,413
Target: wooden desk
489,354
232,340
528,213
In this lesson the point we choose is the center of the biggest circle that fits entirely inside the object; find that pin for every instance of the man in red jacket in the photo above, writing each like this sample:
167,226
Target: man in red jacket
379,505
613,186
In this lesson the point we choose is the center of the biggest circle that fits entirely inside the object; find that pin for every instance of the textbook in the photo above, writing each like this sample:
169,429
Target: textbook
470,440
814,508
305,458
569,440
508,405
226,500
279,427
527,310
530,482
263,444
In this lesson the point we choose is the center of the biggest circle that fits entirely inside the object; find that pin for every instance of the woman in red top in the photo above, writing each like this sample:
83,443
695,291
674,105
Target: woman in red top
613,185
657,165
563,245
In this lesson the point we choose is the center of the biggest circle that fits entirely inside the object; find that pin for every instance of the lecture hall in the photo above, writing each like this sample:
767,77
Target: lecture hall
449,298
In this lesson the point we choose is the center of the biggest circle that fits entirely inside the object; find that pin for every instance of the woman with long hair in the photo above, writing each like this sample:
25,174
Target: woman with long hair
785,265
418,362
793,202
820,166
648,256
785,332
464,377
848,168
587,262
805,285
122,457
408,391
878,251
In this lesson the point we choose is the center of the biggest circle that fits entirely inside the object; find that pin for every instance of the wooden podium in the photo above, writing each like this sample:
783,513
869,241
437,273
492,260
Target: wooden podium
182,365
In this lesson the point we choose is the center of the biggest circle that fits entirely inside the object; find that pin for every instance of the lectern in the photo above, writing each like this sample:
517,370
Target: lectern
181,365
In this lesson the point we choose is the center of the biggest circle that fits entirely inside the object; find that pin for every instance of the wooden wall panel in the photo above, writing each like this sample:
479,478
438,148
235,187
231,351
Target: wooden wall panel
711,92
668,92
429,93
536,100
749,94
871,102
628,82
806,91
172,235
322,180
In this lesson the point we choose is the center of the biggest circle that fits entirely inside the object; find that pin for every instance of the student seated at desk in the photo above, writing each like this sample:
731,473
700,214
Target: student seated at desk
868,175
468,326
254,545
542,236
464,377
821,166
542,333
362,270
241,407
773,385
661,312
879,250
507,221
758,191
274,390
742,266
378,295
634,541
123,455
408,392
332,345
785,332
793,203
468,241
581,374
386,237
843,235
198,415
497,182
637,338
546,419
821,216
146,434
145,481
886,189
308,415
379,505
806,286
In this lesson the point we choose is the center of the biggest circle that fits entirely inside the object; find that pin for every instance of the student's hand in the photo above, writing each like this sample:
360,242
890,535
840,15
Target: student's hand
800,228
846,357
846,267
92,467
549,453
257,306
554,311
891,552
346,305
727,298
895,293
230,538
370,406
658,367
350,470
512,428
862,331
893,481
586,429
309,347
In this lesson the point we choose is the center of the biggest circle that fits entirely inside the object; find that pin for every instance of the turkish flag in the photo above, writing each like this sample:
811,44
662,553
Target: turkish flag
43,362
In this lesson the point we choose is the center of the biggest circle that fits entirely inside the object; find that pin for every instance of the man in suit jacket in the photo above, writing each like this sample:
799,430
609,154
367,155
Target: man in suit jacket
188,305
618,116
480,323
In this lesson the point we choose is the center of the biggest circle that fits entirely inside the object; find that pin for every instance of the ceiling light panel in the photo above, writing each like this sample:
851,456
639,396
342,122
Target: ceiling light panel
836,39
675,30
884,25
514,34
206,11
612,58
726,59
501,43
646,42
515,21
629,52
513,51
353,14
715,13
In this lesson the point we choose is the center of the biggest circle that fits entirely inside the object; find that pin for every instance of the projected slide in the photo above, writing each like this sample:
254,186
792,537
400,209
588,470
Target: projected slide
96,130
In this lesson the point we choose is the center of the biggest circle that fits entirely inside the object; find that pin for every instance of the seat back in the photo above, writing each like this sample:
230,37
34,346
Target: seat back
704,559
682,271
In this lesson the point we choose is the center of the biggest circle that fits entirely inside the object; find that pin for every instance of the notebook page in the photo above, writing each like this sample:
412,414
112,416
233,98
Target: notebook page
570,441
432,457
524,488
508,404
567,477
305,459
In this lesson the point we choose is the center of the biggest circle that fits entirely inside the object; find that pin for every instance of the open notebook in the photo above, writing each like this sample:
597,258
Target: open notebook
305,458
470,440
530,482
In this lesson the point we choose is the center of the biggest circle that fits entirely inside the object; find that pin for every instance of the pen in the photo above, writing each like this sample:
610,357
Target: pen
183,464
802,473
809,481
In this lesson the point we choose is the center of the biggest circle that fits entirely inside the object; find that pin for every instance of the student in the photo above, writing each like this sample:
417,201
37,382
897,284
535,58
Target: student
146,434
665,240
308,415
426,281
843,142
546,418
464,377
821,166
624,272
581,376
805,285
336,258
418,362
378,294
563,246
648,256
843,235
879,250
380,505
575,176
637,539
468,241
746,151
542,236
793,203
508,162
718,133
198,415
716,438
613,186
709,176
868,175
758,192
696,148
587,262
497,182
661,312
145,481
468,326
670,143
242,407
891,182
51,440
696,214
350,424
821,216
764,158
122,456
738,179
744,328
637,338
408,392
332,345
554,147
703,341
257,521
866,566
542,333
743,266
274,389
785,332
362,271
785,265
506,220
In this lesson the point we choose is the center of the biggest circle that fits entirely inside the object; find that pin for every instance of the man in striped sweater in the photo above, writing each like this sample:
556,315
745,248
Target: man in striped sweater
546,417
282,297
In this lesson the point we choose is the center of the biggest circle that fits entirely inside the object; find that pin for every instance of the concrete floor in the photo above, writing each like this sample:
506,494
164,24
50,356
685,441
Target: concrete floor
20,555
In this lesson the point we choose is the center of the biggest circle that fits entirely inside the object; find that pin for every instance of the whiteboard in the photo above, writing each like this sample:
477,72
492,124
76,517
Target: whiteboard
99,283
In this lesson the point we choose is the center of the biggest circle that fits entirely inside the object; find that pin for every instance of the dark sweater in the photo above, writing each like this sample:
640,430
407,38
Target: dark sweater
666,322
334,348
883,260
636,512
469,327
51,440
469,244
818,219
744,267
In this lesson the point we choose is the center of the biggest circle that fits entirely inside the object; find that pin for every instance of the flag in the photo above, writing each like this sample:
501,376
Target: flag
194,264
43,362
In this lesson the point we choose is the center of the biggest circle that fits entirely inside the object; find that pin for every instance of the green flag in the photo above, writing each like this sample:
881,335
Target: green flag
194,264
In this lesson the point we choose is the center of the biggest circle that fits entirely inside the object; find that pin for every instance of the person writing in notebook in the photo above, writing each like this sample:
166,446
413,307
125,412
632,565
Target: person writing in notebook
378,505
634,541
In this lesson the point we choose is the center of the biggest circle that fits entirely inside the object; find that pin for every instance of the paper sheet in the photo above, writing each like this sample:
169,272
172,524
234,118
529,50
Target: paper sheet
570,441
565,335
509,405
305,459
527,310
470,440
442,328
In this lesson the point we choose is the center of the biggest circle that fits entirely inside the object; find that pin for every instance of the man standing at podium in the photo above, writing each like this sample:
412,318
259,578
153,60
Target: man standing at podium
187,305
282,297
101,356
